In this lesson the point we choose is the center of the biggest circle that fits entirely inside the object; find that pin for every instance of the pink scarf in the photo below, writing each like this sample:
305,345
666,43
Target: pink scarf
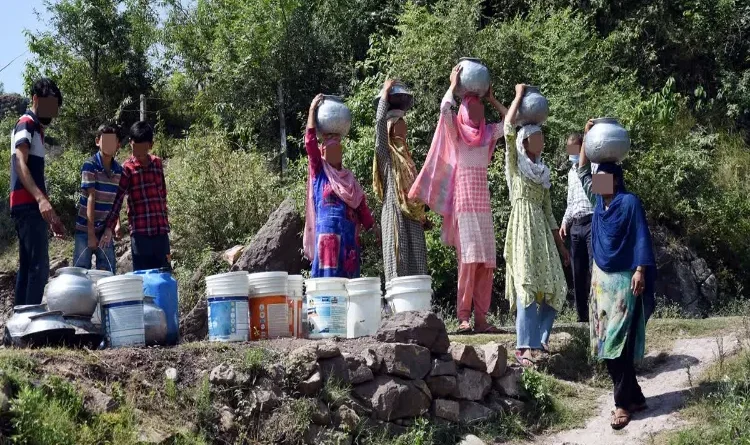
344,185
474,134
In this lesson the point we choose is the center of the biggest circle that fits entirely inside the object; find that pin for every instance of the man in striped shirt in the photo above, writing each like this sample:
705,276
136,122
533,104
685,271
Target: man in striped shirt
100,178
30,208
577,223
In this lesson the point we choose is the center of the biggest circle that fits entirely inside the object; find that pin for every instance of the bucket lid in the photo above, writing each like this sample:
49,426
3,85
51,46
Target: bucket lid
410,278
120,279
314,284
364,280
238,273
267,275
296,278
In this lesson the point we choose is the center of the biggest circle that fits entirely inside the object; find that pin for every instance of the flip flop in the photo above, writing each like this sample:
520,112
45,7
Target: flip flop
520,358
617,423
465,330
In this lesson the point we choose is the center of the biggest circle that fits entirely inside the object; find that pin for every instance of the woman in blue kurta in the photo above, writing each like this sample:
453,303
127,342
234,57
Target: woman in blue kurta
336,207
622,284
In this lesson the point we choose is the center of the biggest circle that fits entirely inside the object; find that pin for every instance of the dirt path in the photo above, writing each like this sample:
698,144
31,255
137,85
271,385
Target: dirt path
665,389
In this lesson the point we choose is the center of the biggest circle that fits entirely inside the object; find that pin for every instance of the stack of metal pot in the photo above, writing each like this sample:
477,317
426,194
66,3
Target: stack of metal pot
606,141
399,98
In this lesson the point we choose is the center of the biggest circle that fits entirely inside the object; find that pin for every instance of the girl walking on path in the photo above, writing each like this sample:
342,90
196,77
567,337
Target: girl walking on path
622,282
394,172
534,279
453,183
336,207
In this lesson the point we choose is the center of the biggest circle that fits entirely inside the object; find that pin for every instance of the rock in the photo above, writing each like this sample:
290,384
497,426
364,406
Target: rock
194,326
327,350
405,360
505,404
171,374
125,262
394,398
302,362
443,367
468,356
277,373
98,403
226,419
358,407
510,383
472,440
230,256
372,360
420,328
321,414
210,263
682,276
278,244
264,400
150,435
442,386
472,384
312,385
347,418
359,372
472,412
335,368
496,359
222,375
449,410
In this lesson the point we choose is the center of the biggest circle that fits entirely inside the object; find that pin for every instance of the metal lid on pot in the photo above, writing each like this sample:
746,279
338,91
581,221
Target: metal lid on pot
400,97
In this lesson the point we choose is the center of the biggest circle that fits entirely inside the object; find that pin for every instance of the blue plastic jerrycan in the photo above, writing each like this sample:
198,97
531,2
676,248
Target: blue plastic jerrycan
160,284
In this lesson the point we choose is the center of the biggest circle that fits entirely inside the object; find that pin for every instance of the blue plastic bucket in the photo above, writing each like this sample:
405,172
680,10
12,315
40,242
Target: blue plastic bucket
159,284
327,304
121,298
228,307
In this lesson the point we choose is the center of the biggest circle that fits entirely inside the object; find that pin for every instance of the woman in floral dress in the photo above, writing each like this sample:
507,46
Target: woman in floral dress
622,283
336,207
534,279
453,183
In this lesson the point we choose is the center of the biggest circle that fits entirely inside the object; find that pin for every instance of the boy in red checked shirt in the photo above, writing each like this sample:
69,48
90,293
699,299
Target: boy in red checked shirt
143,182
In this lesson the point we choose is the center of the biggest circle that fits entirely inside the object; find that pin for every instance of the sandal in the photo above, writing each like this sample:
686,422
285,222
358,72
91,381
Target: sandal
520,359
464,328
620,421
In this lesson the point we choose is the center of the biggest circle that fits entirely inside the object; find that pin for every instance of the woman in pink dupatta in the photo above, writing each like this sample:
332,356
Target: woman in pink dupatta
335,208
453,183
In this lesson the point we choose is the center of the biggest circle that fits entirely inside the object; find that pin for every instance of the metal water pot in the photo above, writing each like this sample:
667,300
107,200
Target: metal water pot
399,98
474,77
71,292
607,141
17,323
534,107
333,116
154,322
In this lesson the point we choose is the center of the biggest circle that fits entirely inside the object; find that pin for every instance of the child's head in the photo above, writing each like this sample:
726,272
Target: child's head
46,100
141,138
106,139
573,146
331,149
534,143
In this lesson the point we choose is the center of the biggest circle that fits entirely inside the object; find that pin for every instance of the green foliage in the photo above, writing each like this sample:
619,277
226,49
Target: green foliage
63,174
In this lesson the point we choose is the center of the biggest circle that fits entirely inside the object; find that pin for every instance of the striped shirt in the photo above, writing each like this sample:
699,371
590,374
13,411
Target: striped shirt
28,131
578,203
105,183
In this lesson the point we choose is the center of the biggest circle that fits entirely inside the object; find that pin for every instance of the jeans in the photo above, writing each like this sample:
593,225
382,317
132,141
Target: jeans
622,370
581,258
533,324
33,256
150,252
105,258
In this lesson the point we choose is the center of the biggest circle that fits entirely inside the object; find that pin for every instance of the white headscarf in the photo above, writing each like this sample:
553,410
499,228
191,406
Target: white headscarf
535,171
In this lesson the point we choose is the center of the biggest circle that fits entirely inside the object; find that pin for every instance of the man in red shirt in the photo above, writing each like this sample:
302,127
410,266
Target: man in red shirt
143,182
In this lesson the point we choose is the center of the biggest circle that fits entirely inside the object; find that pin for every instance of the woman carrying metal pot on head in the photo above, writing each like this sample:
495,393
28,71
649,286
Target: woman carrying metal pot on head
624,270
453,183
336,205
534,279
402,220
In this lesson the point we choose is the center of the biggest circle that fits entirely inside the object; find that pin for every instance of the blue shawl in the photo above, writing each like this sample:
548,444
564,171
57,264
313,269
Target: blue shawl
620,237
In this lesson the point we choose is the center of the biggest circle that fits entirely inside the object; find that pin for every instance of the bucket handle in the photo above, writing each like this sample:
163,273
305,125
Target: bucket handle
95,252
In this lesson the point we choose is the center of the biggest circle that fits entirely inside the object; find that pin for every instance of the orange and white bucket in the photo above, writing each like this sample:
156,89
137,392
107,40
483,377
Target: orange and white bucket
269,311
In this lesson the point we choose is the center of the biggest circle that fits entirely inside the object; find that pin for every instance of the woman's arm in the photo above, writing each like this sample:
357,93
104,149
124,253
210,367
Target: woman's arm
510,131
584,168
382,153
311,138
449,101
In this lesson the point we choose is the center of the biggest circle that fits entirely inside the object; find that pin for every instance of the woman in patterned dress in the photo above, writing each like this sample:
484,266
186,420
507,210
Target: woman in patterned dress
534,279
402,220
622,282
453,183
336,207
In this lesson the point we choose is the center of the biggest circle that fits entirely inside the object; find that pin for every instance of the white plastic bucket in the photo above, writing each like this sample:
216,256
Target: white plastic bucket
228,307
364,313
121,299
327,302
409,300
95,275
269,310
367,284
413,282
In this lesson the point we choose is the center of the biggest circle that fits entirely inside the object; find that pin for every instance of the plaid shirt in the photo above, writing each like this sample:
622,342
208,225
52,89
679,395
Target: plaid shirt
147,198
578,203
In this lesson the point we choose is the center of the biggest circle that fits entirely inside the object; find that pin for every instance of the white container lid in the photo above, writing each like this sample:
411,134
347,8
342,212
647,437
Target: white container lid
326,284
228,275
267,276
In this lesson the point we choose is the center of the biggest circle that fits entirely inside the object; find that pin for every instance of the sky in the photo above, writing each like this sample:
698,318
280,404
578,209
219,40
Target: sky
17,16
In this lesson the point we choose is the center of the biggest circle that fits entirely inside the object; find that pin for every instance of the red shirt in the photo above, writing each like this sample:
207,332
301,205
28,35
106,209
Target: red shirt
147,197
